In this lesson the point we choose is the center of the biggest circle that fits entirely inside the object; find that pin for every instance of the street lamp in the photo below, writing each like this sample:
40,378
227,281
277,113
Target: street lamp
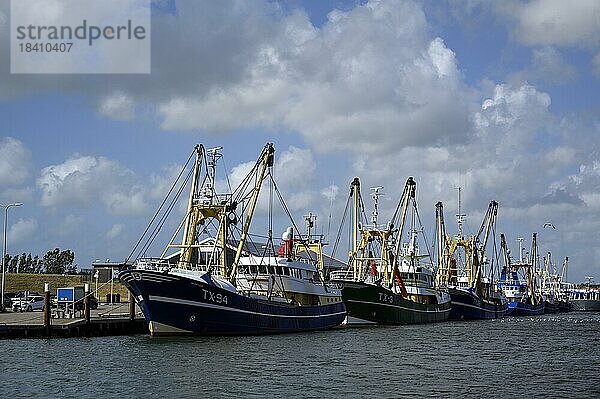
4,248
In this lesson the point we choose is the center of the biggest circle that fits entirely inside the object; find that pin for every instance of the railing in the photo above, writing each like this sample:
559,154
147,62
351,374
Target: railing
160,264
341,275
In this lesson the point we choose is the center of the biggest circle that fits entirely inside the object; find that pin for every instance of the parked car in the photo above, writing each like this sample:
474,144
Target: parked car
21,295
29,304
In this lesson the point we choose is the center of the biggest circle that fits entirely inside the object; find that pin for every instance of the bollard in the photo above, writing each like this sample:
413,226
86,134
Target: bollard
47,309
86,303
131,307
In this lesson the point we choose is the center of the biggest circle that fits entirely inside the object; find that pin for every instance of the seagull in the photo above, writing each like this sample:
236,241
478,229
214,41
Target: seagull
549,225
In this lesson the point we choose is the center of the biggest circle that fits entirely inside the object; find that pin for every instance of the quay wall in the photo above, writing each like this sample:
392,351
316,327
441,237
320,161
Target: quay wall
35,282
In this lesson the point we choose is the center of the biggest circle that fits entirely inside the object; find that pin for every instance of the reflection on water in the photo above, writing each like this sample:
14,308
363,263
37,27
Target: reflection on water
542,356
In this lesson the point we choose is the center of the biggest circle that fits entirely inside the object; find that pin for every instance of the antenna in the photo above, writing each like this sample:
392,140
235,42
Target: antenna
309,220
520,240
375,195
460,217
214,156
589,280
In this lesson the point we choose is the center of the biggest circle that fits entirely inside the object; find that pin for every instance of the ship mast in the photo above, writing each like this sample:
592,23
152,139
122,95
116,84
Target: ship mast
355,194
460,217
189,231
375,195
487,225
202,204
531,270
407,195
442,274
520,240
266,162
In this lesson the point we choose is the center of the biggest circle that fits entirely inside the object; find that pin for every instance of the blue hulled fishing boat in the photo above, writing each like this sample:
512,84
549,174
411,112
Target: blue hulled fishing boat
467,274
518,281
215,284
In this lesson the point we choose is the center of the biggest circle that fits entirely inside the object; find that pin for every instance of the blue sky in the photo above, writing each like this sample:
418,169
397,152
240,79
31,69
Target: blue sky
501,98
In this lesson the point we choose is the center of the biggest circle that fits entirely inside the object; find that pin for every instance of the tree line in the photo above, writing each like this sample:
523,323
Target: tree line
55,261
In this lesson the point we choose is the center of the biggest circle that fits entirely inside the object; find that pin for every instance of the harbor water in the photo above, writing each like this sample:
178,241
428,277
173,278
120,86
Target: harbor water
541,356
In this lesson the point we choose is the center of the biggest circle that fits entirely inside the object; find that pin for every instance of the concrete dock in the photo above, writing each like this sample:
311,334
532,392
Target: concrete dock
108,319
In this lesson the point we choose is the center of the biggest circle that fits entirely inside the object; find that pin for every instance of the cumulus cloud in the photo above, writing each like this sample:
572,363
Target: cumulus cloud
555,22
330,192
118,106
22,230
504,156
83,180
15,162
259,66
115,231
295,167
549,65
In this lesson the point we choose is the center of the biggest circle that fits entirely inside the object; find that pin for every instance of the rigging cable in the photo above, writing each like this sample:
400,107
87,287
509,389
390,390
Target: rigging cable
339,235
165,215
161,206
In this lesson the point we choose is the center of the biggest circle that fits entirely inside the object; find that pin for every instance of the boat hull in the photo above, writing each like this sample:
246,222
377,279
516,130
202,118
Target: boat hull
517,308
370,303
176,305
587,305
557,307
551,307
468,306
564,306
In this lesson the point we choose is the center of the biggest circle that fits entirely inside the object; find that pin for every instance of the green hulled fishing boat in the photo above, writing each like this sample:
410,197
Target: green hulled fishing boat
388,281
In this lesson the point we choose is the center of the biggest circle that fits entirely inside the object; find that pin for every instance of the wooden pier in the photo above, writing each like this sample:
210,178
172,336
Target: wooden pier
106,320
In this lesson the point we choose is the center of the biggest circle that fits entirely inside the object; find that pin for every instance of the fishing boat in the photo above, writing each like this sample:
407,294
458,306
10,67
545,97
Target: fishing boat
586,298
218,281
518,280
462,265
388,281
553,287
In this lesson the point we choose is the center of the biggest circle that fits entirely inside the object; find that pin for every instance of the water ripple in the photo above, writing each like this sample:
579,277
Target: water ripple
543,356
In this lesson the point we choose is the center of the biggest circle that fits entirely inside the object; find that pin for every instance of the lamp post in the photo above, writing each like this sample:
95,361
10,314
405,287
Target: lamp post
4,248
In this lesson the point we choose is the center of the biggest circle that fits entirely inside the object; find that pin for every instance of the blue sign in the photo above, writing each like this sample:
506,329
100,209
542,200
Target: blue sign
64,294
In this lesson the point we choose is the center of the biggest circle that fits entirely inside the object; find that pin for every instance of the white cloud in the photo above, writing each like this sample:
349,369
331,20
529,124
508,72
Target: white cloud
115,231
15,162
295,168
504,157
118,106
22,230
237,175
127,202
560,156
71,225
391,85
330,192
83,180
549,65
160,184
556,22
